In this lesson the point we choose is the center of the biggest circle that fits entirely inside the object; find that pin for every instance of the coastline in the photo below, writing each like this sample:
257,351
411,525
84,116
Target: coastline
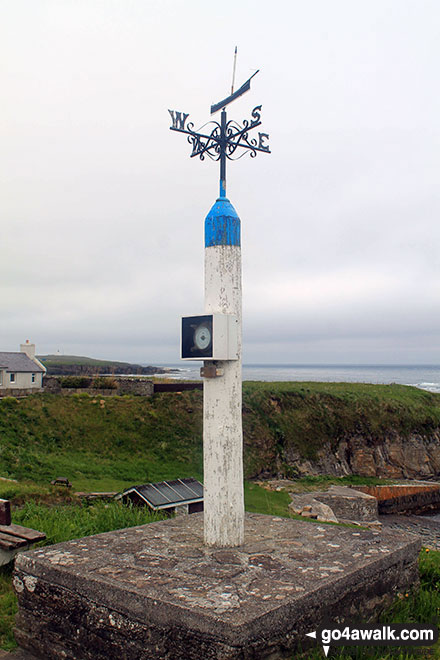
424,377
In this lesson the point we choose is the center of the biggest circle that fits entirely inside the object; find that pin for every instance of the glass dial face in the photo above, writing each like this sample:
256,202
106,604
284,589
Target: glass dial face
202,337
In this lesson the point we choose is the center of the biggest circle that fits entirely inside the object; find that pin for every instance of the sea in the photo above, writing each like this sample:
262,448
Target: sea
426,377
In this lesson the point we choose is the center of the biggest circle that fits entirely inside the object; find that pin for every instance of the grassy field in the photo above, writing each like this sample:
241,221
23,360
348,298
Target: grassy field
77,360
100,444
147,439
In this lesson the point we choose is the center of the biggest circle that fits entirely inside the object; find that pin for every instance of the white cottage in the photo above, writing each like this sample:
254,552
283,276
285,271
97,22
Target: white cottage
21,371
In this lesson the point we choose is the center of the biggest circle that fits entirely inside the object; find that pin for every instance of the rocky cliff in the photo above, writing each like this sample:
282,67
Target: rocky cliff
412,457
68,365
294,429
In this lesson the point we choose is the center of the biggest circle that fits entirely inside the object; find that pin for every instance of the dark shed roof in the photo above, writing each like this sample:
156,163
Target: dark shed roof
167,494
18,362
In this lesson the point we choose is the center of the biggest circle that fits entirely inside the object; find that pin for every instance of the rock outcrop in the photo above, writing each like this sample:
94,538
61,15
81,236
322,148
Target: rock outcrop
394,457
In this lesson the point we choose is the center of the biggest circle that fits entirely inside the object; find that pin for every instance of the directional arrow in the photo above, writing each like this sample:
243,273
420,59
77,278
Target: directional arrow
325,648
244,88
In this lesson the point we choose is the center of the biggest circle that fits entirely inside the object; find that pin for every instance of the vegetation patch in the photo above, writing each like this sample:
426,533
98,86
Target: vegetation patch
104,383
8,609
260,500
67,522
77,382
20,492
112,442
150,438
281,417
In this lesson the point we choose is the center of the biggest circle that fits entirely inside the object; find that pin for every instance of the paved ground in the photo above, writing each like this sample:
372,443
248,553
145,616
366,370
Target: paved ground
426,528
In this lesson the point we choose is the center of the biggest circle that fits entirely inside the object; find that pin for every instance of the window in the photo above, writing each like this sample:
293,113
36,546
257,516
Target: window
12,378
33,378
1,377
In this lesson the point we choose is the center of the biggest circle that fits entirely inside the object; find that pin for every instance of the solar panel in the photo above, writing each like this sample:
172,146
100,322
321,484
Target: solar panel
167,491
165,494
195,486
182,491
152,495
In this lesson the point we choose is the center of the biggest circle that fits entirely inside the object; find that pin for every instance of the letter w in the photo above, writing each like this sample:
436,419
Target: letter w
178,119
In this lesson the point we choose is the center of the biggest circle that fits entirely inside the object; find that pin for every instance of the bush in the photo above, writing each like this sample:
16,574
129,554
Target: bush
102,383
75,382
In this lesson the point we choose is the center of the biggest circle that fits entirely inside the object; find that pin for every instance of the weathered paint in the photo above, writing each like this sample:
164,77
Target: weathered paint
222,224
222,416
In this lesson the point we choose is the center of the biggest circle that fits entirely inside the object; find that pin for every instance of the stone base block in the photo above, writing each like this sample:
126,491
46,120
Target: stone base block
350,504
157,592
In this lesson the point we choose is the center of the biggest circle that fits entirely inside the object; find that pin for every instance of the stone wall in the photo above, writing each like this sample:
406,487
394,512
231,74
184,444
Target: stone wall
125,385
20,391
52,384
138,386
404,498
177,387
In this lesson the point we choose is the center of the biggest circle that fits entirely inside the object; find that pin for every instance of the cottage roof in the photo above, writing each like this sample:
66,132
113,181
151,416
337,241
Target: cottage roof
18,362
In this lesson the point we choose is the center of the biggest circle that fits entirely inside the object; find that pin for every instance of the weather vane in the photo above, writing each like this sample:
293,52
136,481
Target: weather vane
227,139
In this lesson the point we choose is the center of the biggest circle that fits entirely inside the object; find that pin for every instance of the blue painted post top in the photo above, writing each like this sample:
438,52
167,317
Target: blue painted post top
222,224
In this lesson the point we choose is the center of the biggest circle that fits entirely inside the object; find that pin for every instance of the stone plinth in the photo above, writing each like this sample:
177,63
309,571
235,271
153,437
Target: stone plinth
350,504
346,503
157,592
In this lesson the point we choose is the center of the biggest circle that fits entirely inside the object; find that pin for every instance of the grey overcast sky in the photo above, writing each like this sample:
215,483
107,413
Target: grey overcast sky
102,209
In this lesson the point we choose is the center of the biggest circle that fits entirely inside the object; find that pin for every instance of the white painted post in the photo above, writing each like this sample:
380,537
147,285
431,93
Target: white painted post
222,416
222,412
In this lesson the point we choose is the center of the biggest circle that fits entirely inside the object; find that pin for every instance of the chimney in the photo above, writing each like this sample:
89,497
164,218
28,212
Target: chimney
29,349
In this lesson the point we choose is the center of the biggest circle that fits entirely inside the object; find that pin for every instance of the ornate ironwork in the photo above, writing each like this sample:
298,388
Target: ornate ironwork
225,139
234,137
